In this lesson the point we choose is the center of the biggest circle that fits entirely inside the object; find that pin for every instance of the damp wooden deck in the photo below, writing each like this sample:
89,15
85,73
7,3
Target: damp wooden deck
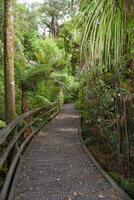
56,167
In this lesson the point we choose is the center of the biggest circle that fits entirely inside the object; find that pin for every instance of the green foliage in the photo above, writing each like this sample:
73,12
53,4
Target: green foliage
53,54
61,98
53,14
116,177
106,88
2,124
37,56
100,103
47,68
68,84
44,51
32,46
128,185
71,39
104,29
32,76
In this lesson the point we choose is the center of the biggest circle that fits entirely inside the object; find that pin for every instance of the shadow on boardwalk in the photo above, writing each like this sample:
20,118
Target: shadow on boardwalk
56,167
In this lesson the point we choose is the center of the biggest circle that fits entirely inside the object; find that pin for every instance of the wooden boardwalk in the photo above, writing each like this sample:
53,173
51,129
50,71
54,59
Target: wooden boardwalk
56,167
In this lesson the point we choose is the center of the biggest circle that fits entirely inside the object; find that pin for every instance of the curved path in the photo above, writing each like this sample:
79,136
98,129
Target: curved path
56,167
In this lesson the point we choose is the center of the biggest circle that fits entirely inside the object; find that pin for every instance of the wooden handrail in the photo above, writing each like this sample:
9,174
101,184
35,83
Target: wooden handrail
6,131
13,141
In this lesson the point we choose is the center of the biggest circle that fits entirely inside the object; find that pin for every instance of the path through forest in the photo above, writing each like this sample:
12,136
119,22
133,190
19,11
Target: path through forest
56,167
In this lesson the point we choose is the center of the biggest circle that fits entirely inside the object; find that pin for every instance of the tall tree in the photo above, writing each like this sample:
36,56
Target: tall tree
9,60
55,13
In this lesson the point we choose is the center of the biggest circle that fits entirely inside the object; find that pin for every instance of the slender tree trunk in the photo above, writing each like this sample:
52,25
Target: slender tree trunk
54,26
9,61
25,109
24,102
124,137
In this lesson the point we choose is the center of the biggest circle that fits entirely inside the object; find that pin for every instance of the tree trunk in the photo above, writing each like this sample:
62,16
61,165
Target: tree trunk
9,61
129,7
54,27
24,102
25,109
124,138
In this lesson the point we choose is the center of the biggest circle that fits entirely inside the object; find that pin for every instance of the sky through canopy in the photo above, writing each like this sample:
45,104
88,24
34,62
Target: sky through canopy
29,2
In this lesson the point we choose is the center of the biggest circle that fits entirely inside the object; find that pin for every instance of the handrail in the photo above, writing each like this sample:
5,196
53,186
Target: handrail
14,143
6,131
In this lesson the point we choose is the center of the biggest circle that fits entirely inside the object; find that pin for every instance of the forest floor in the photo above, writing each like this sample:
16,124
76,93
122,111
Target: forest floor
111,165
107,161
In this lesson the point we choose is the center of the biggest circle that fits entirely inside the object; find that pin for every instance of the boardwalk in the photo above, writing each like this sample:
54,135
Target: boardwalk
56,167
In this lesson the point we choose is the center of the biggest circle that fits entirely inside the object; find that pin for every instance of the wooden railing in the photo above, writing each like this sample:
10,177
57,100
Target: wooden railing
13,142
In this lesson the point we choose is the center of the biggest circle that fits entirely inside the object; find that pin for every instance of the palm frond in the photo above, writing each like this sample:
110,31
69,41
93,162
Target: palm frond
103,31
29,77
37,73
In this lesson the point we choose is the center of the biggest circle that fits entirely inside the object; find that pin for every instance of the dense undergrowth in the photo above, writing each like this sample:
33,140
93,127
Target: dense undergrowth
106,90
107,124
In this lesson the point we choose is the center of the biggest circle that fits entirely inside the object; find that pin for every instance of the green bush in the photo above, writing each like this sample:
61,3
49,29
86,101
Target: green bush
2,124
128,186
